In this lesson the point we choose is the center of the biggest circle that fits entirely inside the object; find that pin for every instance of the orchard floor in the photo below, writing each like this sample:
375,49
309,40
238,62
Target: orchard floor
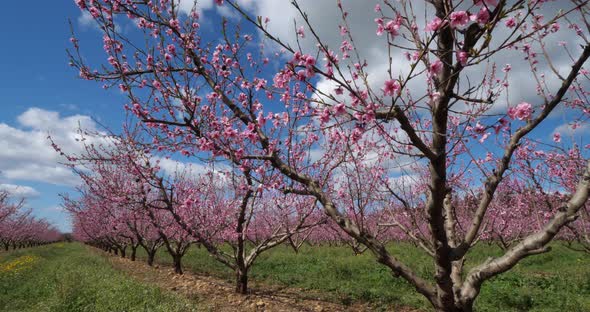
215,294
73,277
555,281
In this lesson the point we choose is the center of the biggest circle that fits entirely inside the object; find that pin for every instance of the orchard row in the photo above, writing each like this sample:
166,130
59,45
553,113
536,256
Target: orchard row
430,122
19,228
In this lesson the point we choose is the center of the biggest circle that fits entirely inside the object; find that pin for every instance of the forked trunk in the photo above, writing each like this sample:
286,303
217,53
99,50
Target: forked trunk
454,306
456,309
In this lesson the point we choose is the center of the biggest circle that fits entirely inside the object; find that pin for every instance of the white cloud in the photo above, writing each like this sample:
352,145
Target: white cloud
171,167
72,107
86,20
325,18
20,190
185,6
573,131
27,154
188,169
570,129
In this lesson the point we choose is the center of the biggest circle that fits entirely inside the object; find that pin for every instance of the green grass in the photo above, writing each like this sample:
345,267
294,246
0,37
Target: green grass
69,277
555,281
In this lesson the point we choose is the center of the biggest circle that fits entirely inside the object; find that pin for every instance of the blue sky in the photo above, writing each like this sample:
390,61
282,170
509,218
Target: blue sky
36,75
41,94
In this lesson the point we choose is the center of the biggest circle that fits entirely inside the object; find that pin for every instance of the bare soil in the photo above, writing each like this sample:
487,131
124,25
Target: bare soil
215,294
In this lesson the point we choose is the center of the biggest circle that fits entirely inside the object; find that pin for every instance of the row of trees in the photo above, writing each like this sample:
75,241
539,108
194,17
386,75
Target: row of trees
433,134
141,205
19,228
138,205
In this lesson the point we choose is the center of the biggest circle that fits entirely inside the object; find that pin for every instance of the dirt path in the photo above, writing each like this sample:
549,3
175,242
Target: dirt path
214,294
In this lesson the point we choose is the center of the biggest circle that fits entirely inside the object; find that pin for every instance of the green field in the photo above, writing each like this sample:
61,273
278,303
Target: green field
70,277
555,281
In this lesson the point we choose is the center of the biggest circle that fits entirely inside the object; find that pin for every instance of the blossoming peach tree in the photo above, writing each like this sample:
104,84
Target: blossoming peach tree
142,204
19,228
444,120
116,192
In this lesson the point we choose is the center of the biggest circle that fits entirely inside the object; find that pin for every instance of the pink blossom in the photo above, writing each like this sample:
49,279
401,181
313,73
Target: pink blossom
482,17
261,120
174,24
434,24
82,4
522,111
260,84
484,137
391,87
436,67
392,27
459,19
380,27
462,57
171,49
510,23
301,75
339,109
343,30
301,32
94,12
557,137
479,128
356,135
325,116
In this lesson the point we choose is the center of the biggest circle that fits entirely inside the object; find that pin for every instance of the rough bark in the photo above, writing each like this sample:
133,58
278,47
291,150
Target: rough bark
133,252
242,281
177,259
151,255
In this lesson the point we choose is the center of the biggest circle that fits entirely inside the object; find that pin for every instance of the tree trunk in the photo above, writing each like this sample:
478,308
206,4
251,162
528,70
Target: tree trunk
123,252
242,281
133,252
177,264
151,256
455,307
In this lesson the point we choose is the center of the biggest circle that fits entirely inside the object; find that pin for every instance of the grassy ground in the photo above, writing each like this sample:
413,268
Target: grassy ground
69,277
556,281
